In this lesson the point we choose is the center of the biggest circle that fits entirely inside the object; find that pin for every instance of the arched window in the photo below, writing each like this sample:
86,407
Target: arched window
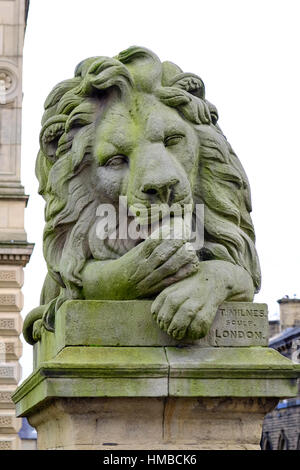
266,443
283,443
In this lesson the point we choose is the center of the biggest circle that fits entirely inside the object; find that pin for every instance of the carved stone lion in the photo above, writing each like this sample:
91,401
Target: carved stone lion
137,127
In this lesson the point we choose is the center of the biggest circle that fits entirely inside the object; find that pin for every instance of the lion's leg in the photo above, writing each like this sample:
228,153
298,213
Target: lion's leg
33,320
143,271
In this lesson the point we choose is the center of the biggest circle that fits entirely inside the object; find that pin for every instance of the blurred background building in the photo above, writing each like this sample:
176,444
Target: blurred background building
281,428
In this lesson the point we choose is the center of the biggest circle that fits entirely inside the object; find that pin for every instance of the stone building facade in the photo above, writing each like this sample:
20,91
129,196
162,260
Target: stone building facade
274,328
281,428
15,250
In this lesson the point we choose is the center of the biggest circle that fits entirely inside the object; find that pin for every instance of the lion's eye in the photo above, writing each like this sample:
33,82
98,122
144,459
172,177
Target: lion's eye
117,161
173,140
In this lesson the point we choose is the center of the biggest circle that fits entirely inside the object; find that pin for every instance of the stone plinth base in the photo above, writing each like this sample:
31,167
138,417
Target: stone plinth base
109,378
151,423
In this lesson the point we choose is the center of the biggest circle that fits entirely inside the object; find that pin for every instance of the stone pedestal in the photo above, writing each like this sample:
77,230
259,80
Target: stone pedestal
151,423
108,378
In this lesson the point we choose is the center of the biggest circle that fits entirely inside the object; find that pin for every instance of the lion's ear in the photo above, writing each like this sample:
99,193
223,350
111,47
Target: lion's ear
50,134
169,71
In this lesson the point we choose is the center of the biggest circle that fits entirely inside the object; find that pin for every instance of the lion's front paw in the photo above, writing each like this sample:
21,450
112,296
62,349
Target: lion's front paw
188,307
181,312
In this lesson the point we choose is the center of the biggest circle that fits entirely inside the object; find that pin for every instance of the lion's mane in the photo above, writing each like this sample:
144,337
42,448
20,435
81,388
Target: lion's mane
65,160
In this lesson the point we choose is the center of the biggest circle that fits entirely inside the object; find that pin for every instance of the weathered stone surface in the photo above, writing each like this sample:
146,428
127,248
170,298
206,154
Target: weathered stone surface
90,372
130,323
193,360
109,323
185,423
237,372
236,387
157,371
93,371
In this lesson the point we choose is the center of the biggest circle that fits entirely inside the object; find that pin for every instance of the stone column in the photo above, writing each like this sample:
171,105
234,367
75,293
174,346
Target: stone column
15,251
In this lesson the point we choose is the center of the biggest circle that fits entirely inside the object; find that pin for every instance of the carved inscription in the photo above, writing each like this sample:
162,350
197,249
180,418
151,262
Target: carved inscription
240,325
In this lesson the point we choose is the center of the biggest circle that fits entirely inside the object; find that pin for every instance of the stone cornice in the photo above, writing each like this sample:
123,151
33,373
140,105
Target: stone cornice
17,253
15,197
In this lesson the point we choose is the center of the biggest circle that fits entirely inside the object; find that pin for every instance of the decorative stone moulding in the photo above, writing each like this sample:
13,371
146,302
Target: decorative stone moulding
14,258
8,422
16,253
10,348
8,82
11,300
10,324
10,373
5,396
11,276
9,442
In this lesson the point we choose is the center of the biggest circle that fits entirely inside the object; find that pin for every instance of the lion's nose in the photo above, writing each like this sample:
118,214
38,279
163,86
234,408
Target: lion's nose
160,190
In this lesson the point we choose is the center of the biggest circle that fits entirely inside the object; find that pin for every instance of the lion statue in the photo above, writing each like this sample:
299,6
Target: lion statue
136,127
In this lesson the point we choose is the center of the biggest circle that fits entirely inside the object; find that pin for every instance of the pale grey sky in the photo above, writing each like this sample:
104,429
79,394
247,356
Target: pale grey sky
247,53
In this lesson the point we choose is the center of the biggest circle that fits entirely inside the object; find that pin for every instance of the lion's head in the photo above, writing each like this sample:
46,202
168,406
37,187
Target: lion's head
134,126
